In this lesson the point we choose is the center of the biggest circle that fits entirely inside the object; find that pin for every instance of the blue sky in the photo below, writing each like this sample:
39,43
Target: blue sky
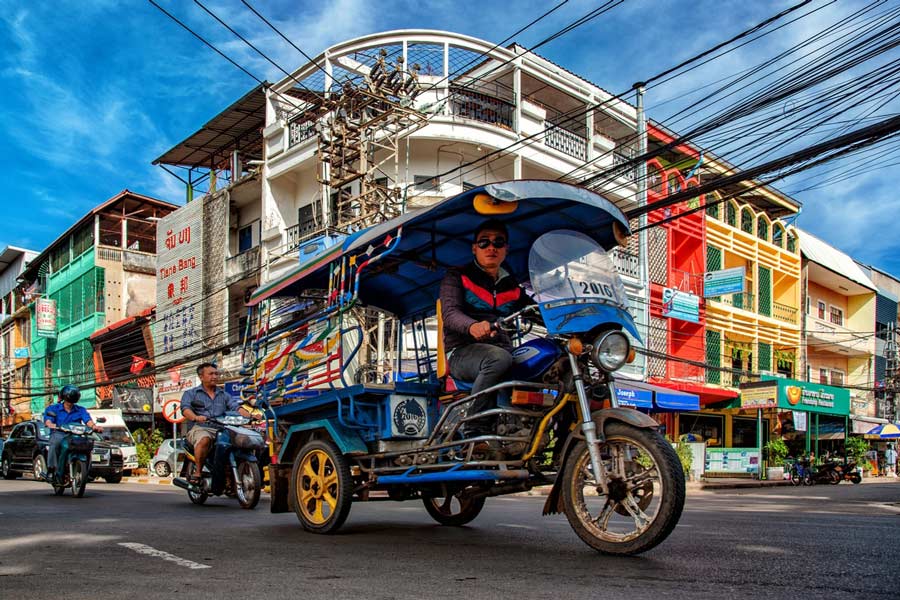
93,91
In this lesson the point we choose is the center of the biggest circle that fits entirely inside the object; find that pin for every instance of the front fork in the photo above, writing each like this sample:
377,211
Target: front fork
588,427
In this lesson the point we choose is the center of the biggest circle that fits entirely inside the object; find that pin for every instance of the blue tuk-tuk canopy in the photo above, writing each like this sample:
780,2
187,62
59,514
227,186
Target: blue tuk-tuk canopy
434,238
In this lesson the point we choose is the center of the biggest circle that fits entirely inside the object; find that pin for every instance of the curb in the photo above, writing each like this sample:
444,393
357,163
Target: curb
147,480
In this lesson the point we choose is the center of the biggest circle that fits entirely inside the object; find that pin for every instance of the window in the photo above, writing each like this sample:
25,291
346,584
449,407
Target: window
820,306
837,315
703,428
248,236
837,378
426,183
743,432
823,376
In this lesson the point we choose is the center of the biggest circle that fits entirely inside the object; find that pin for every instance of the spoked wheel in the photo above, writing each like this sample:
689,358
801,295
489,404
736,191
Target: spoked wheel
795,477
321,487
194,497
162,469
449,509
248,485
808,479
79,477
645,491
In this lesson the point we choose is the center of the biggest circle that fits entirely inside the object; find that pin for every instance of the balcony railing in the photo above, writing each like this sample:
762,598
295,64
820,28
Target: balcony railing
109,254
744,300
293,238
481,107
629,172
242,265
565,141
788,314
626,263
300,129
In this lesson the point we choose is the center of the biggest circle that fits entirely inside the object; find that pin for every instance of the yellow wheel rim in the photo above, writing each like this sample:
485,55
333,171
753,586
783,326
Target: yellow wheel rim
317,490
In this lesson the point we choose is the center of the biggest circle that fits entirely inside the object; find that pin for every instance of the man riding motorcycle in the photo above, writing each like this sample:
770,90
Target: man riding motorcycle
64,412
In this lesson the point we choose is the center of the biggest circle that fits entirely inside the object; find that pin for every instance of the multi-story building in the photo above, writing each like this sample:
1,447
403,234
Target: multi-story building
708,342
384,123
101,270
14,338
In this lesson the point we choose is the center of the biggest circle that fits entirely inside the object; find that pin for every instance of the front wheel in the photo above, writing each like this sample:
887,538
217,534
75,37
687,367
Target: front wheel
38,467
645,491
248,484
834,477
162,469
321,487
117,478
796,479
856,478
451,510
79,477
6,469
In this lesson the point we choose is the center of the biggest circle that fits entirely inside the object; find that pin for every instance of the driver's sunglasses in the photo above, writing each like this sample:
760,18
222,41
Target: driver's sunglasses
499,242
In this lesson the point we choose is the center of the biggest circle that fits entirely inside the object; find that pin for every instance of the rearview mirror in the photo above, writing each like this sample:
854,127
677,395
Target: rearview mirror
101,419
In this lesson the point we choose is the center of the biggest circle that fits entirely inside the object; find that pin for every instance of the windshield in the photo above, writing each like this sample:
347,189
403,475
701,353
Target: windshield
566,265
118,435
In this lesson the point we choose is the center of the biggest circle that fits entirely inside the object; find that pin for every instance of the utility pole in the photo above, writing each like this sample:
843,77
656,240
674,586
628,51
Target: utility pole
641,176
892,374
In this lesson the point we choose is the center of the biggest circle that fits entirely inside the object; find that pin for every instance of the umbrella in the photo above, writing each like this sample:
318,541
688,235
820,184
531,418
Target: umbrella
886,431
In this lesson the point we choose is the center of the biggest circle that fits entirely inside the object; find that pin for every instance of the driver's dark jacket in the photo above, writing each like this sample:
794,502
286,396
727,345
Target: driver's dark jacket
469,295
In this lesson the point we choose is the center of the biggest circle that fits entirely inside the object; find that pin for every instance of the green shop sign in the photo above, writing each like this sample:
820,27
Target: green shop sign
811,397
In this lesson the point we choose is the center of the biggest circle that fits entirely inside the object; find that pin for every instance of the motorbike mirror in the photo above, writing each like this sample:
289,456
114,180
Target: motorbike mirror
101,419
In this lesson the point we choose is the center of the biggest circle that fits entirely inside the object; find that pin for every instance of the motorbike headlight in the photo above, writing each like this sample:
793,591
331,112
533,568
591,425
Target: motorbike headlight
610,350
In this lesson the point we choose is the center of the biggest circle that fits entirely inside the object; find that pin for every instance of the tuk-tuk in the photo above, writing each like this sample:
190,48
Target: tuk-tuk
342,432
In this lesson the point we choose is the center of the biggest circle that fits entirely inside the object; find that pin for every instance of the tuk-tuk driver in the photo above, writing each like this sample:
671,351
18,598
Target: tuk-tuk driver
472,298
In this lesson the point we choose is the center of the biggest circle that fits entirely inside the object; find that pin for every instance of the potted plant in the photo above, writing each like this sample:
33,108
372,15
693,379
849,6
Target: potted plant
777,451
857,448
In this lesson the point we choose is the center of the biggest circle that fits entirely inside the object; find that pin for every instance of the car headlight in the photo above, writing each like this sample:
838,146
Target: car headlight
610,350
117,452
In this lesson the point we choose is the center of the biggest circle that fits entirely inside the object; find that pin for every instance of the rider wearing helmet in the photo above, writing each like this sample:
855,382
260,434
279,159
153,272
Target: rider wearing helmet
64,412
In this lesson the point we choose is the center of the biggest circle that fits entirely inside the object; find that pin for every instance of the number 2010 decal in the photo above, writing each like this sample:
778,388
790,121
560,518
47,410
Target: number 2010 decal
597,289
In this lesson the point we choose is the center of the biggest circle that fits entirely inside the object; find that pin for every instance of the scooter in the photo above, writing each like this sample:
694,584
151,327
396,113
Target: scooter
231,469
824,473
74,462
848,472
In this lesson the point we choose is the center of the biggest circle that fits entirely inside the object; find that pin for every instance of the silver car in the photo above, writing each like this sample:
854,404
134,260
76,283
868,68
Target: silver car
166,459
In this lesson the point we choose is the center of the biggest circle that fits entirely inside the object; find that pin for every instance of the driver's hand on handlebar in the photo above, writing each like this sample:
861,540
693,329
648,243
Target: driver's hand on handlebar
481,330
200,419
98,429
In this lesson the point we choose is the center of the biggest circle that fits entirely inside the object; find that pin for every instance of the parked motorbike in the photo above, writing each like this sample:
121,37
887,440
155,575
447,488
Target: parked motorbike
231,469
824,473
848,472
74,462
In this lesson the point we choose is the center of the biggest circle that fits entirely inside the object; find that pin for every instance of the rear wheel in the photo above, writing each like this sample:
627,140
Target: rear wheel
451,510
808,479
79,477
162,469
834,477
249,484
856,478
321,487
197,497
645,491
6,469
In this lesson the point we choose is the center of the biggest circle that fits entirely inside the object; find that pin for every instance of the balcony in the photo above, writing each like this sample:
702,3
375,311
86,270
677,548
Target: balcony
565,141
831,337
242,266
467,104
626,171
132,260
626,263
743,301
788,314
300,129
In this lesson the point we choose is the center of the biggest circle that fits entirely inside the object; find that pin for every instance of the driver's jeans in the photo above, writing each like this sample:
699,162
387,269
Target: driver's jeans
484,365
56,438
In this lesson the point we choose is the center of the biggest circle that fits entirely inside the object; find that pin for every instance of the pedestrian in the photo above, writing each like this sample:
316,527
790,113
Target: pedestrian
890,459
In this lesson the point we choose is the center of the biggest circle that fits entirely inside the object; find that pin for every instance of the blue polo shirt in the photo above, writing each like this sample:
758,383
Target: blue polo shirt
212,407
56,414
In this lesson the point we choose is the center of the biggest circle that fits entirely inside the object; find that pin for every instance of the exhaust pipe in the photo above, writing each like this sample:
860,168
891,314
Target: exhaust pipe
185,485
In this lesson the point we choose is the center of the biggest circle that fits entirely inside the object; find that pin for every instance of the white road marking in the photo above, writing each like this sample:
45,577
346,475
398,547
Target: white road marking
150,551
514,526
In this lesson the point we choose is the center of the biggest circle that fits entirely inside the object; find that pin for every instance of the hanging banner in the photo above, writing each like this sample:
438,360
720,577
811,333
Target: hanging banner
799,420
726,281
680,305
45,317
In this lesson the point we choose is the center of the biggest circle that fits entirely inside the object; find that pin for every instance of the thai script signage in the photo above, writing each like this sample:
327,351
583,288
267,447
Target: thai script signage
680,305
725,281
45,316
179,284
811,397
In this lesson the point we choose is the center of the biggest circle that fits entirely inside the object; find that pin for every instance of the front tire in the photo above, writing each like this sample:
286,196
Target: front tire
856,478
38,466
249,484
644,476
795,477
117,478
321,487
79,477
6,469
451,510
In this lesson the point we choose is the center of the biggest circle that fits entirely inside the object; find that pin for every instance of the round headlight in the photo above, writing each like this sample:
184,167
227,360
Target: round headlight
610,350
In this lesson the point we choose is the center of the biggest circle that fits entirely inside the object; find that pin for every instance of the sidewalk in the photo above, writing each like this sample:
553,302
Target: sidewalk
149,479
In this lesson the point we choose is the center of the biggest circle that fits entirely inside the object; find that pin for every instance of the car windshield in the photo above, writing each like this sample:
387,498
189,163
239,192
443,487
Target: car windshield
43,432
118,435
569,267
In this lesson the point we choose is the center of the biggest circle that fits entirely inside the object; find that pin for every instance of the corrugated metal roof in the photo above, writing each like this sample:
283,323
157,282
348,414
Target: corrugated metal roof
238,127
833,259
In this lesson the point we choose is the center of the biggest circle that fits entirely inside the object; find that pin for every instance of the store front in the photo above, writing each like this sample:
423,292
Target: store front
662,403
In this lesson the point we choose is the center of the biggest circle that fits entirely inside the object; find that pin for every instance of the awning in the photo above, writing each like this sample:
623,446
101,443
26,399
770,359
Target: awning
638,394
